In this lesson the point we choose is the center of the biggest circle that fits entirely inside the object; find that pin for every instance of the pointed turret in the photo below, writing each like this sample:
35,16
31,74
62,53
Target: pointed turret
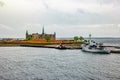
43,30
54,35
27,34
90,38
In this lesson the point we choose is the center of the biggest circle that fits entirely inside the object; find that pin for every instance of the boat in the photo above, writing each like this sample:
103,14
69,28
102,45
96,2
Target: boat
94,47
60,47
100,49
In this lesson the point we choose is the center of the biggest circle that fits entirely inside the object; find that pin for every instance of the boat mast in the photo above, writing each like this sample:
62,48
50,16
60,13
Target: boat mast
90,38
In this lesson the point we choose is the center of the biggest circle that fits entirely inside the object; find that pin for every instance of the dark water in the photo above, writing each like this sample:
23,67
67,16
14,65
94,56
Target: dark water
101,39
28,63
107,40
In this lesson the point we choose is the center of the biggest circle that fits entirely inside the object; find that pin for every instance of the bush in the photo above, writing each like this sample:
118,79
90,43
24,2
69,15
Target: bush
76,38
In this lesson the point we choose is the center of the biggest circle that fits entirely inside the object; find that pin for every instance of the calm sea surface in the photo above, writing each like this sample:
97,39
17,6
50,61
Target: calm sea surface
29,63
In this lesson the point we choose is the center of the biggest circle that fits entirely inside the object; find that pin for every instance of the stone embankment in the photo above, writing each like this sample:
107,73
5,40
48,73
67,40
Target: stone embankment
114,48
54,46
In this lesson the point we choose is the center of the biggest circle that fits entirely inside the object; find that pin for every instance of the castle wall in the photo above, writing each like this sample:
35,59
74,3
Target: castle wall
37,36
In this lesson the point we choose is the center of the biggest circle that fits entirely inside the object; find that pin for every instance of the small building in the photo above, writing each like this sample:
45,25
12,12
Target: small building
37,36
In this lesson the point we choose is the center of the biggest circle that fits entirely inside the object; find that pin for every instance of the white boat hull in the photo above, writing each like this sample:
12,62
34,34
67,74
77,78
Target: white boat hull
85,48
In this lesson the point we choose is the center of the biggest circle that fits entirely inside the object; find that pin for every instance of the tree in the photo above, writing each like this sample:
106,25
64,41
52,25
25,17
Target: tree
29,38
47,38
76,38
81,38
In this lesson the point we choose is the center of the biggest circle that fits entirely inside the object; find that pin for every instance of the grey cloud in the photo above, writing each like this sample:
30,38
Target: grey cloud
45,4
57,17
63,21
109,2
1,3
81,11
6,27
80,17
101,2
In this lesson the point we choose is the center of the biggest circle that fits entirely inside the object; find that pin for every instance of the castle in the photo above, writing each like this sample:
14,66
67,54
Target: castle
43,36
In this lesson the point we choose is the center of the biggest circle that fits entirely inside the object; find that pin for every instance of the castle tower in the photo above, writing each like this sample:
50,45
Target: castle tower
43,30
27,34
54,35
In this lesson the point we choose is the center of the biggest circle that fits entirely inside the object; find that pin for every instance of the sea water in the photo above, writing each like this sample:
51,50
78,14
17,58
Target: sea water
30,63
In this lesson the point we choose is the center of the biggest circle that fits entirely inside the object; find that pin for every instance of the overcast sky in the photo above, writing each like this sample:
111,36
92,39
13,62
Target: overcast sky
67,18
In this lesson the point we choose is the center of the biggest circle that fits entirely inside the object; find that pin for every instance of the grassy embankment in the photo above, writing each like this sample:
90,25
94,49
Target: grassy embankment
40,42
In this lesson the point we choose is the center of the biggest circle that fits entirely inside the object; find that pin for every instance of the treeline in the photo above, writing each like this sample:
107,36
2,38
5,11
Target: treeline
76,38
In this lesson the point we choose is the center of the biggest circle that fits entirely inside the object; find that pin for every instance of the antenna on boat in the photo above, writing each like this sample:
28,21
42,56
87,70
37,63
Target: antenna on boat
90,38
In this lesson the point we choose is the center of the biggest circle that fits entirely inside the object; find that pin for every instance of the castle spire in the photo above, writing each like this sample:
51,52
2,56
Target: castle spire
43,30
26,32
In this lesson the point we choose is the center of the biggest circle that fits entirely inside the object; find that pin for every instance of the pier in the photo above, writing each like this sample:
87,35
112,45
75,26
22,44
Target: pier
52,46
114,48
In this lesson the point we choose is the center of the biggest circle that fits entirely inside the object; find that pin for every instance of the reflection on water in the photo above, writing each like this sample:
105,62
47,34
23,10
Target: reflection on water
27,63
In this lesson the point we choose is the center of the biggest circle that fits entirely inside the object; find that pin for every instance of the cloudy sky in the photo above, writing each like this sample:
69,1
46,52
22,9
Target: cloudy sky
67,18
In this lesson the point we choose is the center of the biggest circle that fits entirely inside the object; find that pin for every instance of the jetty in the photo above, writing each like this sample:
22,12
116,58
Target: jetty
51,46
114,48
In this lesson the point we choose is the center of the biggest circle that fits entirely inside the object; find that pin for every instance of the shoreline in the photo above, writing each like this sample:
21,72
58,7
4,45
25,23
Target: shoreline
69,45
72,45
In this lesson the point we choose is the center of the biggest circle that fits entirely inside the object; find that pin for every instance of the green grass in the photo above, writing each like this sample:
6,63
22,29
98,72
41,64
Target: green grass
38,43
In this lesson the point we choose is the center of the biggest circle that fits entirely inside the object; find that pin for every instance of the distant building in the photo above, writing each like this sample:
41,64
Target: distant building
37,36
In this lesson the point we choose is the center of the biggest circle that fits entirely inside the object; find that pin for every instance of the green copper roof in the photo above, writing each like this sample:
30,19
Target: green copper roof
26,32
43,30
